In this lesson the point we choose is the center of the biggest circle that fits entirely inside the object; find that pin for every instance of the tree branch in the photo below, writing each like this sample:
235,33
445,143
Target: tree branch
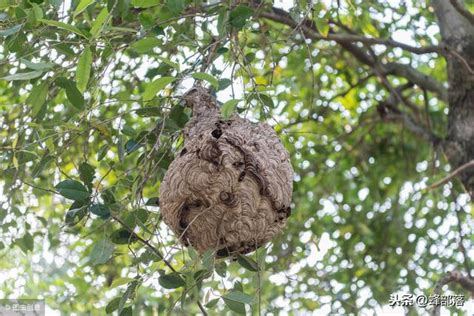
418,78
281,16
348,42
145,242
157,252
454,276
450,176
463,11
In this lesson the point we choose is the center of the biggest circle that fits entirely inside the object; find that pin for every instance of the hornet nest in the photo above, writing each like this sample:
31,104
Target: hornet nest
230,187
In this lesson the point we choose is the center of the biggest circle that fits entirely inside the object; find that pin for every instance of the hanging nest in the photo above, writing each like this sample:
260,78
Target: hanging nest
230,187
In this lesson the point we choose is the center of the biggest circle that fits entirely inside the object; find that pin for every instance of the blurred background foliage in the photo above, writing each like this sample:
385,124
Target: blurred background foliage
91,117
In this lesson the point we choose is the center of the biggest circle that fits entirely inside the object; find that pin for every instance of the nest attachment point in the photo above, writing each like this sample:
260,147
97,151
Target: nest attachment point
230,187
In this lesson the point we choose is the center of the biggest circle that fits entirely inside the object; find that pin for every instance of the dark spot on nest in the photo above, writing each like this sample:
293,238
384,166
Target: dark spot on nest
197,203
183,223
238,164
183,152
284,212
224,252
241,176
216,133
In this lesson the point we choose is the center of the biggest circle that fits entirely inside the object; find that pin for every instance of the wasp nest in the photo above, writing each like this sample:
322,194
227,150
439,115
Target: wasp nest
230,187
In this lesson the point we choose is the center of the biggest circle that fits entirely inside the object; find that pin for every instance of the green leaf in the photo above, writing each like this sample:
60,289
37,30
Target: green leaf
178,116
23,75
86,173
120,281
239,16
42,164
36,13
207,77
208,260
228,108
169,62
122,237
28,241
108,196
120,148
73,190
154,201
235,306
268,101
113,305
99,22
83,69
128,293
238,286
238,296
82,6
37,97
100,210
176,6
73,94
64,26
127,311
322,25
102,152
101,252
76,212
149,111
10,31
224,83
156,86
131,145
146,44
36,66
171,281
221,268
212,303
247,263
200,275
222,20
145,3
128,130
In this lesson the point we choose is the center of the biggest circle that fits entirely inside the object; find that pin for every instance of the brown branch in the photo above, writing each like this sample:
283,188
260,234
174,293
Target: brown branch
463,11
348,42
454,276
417,77
450,176
281,16
145,242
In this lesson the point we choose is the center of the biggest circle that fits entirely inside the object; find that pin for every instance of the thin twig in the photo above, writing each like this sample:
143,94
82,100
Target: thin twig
467,265
145,242
284,17
450,176
453,276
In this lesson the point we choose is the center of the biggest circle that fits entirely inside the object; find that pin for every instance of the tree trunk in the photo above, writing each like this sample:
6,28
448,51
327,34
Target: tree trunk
457,33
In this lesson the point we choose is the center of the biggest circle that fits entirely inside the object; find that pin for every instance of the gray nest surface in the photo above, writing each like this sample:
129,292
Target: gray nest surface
230,187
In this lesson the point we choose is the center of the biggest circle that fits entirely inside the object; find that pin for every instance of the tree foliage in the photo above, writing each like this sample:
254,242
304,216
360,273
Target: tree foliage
90,96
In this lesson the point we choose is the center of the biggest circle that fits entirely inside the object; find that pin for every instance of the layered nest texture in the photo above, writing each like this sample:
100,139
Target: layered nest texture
230,187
